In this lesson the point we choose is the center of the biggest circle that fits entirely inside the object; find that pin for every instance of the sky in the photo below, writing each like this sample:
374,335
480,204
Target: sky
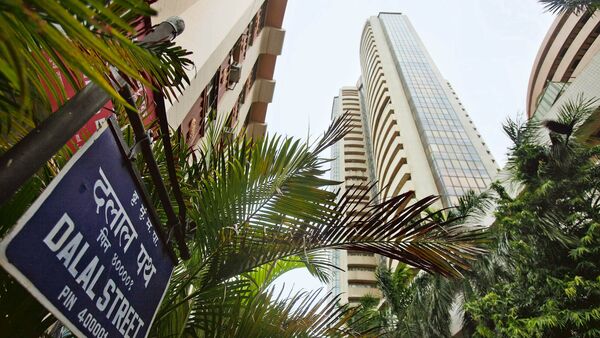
484,48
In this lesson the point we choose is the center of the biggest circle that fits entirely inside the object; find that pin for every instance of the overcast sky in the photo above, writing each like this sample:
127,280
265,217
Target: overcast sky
485,48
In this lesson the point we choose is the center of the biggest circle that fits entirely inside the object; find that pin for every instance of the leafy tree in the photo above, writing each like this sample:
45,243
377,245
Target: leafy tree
367,318
550,235
540,277
413,295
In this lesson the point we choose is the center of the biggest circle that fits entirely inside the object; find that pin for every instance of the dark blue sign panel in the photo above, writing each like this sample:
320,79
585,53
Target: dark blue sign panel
87,248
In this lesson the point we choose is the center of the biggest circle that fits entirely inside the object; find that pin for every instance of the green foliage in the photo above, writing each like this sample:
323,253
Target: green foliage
260,208
412,296
395,287
550,236
367,318
541,275
398,294
75,37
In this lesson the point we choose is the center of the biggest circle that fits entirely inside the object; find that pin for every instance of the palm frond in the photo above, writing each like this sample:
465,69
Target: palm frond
316,263
521,132
393,229
395,287
566,6
269,202
234,312
50,44
474,205
575,112
396,229
433,298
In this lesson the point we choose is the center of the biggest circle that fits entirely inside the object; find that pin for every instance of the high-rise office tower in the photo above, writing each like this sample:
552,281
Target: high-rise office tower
411,133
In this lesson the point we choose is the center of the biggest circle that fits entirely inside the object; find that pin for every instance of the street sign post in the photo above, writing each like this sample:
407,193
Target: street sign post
88,248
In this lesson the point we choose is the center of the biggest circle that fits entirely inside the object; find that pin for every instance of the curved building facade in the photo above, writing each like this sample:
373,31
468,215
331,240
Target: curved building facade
390,158
567,51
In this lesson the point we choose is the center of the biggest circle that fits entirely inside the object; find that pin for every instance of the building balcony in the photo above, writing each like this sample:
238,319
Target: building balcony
361,276
272,43
357,292
362,260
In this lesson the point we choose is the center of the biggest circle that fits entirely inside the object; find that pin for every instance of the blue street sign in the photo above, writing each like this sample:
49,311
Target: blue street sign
87,248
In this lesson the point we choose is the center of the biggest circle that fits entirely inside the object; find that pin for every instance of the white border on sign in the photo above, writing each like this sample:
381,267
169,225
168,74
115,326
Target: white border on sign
27,216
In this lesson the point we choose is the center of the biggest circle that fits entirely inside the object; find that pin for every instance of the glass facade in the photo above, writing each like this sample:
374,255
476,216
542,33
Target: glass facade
456,164
549,97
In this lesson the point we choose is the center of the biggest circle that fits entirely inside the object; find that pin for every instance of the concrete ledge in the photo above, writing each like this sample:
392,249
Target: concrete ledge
256,130
272,41
264,91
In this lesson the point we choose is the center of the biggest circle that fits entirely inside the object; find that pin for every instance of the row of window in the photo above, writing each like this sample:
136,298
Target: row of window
205,107
456,162
353,160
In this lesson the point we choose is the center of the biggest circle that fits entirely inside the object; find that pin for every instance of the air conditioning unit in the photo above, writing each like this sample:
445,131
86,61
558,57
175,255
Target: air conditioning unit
235,73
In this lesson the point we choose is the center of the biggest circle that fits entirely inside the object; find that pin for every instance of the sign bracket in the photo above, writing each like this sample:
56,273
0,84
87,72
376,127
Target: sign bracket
116,131
138,129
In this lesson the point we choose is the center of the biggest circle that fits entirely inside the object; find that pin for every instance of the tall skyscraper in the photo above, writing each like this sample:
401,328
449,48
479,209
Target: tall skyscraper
411,133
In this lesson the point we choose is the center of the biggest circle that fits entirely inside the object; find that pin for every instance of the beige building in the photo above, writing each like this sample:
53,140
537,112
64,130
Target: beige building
567,67
412,133
235,44
351,165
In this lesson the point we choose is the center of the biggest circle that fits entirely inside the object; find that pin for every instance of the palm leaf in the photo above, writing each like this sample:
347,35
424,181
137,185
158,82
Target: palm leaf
44,40
277,314
272,204
566,6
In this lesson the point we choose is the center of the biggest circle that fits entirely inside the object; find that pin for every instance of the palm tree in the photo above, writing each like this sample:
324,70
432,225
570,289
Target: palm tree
413,295
257,207
575,6
41,38
257,202
397,289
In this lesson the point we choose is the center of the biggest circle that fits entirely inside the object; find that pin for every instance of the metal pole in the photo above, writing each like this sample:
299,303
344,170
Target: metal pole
140,135
166,138
139,183
26,157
